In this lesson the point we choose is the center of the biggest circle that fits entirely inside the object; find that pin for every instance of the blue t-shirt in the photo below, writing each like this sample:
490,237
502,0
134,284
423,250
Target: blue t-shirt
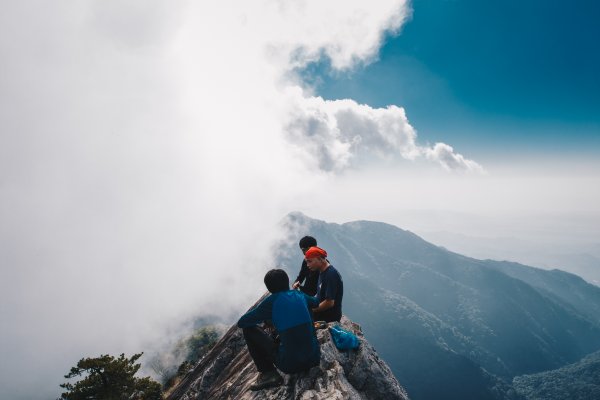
330,287
298,347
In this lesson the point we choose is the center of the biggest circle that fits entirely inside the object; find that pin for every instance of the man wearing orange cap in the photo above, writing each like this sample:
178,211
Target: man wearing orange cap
330,288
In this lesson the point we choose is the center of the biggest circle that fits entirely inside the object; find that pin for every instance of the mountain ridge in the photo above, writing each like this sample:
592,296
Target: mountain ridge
487,315
577,381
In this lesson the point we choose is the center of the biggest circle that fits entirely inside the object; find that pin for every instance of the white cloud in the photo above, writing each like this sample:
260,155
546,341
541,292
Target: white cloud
348,32
335,133
445,155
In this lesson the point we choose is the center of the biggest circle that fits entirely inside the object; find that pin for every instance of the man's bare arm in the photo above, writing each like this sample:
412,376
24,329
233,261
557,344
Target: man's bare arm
324,305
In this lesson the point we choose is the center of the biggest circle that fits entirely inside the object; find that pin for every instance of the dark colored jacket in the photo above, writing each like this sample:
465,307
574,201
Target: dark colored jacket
289,311
312,278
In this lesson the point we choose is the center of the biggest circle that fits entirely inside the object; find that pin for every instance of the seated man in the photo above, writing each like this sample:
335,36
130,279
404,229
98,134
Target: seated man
297,349
330,288
312,277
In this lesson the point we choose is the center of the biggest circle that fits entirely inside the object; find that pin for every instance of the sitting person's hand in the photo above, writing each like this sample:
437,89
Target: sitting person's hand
268,327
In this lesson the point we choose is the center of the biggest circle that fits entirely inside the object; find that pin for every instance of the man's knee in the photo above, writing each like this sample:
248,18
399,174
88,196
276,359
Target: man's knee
251,331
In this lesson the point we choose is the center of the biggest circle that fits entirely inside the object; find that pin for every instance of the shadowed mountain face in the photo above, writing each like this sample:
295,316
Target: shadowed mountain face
451,326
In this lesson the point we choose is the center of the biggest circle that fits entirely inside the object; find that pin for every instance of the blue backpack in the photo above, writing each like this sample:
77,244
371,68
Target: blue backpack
343,339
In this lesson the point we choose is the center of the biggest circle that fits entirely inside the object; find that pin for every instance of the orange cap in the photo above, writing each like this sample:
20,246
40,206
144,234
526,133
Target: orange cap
315,252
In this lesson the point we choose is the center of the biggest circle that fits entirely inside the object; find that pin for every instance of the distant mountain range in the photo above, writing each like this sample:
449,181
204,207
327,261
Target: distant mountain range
450,326
578,381
580,259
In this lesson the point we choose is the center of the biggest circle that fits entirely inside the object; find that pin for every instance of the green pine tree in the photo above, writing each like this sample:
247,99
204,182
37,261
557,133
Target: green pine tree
110,378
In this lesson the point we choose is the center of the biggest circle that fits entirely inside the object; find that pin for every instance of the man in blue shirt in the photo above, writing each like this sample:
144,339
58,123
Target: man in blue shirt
297,349
330,288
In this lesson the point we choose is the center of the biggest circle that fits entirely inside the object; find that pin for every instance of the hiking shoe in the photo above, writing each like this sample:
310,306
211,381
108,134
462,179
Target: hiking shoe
266,380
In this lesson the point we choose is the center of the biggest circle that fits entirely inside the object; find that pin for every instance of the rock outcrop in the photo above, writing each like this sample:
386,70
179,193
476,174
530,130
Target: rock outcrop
227,372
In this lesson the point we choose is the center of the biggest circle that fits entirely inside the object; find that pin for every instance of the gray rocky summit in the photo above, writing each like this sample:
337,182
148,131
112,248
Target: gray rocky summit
227,372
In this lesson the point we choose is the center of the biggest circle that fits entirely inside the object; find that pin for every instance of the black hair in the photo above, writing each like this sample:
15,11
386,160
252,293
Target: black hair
277,280
307,242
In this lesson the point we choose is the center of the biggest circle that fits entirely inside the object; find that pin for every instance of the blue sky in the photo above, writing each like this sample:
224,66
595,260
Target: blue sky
489,77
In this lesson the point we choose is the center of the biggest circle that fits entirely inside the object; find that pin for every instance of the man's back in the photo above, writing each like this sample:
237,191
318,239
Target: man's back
298,348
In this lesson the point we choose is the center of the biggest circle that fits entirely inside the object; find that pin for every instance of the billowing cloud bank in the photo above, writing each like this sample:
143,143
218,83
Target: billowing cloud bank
148,148
334,133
